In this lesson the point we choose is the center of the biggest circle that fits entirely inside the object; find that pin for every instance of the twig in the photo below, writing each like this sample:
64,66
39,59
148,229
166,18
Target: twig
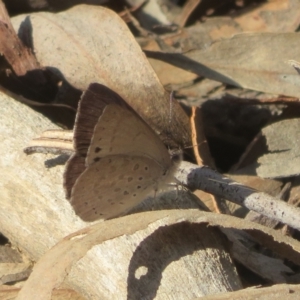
210,181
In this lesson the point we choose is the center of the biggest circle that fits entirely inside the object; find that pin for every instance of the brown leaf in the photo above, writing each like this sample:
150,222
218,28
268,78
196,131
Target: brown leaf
246,60
272,16
282,158
103,50
19,56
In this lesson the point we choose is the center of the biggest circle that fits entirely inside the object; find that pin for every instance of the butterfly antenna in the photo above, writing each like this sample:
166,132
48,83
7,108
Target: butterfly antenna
171,106
176,154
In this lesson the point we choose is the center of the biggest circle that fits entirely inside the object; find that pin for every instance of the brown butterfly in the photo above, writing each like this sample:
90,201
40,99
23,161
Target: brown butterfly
119,159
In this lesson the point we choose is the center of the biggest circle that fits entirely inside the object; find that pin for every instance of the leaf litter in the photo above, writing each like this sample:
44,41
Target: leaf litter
82,52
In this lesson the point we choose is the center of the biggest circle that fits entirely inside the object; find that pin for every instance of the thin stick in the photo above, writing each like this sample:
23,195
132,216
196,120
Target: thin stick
210,181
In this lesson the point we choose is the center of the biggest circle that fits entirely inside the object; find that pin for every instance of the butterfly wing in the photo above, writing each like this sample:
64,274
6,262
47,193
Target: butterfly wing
115,184
122,131
90,108
124,159
106,125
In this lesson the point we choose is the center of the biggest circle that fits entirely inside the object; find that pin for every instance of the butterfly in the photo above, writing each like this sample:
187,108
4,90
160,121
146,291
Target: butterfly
119,160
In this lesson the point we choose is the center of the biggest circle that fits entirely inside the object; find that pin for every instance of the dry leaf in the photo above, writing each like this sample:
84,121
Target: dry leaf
246,60
272,16
8,292
59,259
275,292
13,267
103,50
282,159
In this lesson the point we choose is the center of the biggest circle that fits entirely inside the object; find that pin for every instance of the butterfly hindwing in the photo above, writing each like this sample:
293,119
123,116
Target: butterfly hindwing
113,185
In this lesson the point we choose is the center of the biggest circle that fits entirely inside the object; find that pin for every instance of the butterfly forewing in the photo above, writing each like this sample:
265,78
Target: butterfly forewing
90,108
121,131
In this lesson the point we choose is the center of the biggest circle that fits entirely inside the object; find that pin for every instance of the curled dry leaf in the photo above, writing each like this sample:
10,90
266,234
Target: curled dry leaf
272,268
103,50
59,259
